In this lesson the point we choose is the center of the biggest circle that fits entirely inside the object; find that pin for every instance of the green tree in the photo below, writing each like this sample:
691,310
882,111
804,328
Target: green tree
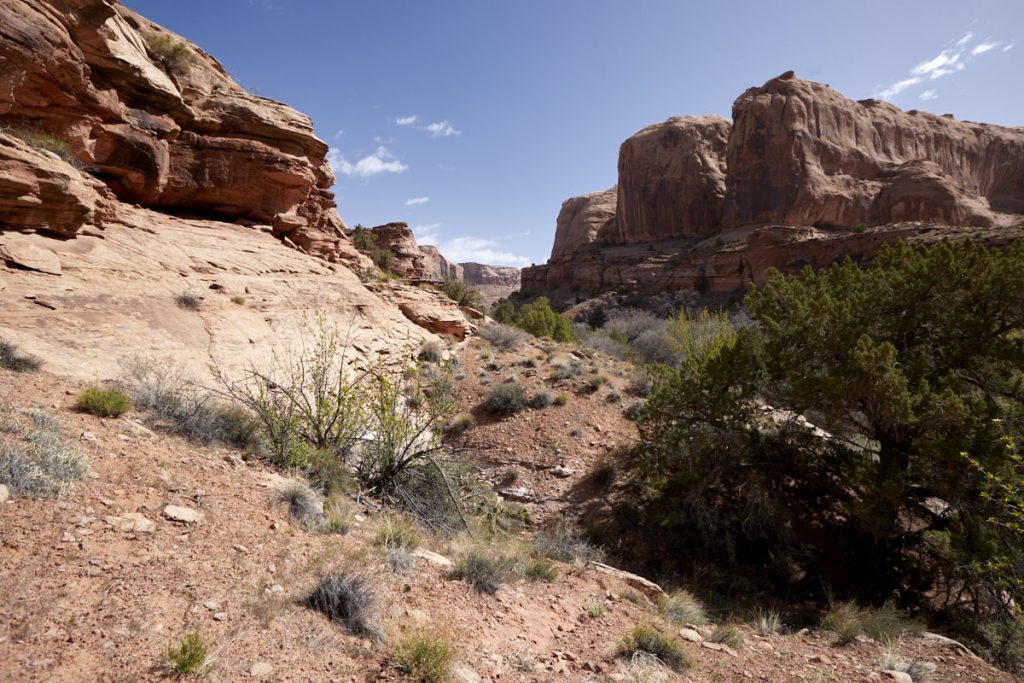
540,320
504,311
826,441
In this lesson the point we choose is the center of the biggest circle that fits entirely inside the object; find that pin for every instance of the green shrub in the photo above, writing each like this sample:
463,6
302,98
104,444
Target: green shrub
541,569
646,640
462,294
173,56
509,476
596,382
561,399
505,399
103,402
431,351
188,655
885,624
595,610
605,472
15,361
728,635
238,299
425,658
540,320
636,411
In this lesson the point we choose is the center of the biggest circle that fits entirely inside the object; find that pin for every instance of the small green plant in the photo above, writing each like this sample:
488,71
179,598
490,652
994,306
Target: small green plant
646,640
462,294
561,399
15,361
505,399
541,569
188,655
596,382
460,423
885,624
103,402
595,610
509,477
563,541
189,301
398,532
682,608
635,411
238,299
173,56
425,658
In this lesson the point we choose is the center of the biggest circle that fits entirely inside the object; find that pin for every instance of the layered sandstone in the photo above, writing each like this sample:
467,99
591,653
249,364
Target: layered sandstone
672,181
410,260
493,282
183,138
798,178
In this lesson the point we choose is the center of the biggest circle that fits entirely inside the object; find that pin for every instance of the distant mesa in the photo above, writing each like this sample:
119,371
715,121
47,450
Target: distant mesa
802,176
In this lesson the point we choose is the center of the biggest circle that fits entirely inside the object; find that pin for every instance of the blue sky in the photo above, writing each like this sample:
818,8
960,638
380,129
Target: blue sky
473,120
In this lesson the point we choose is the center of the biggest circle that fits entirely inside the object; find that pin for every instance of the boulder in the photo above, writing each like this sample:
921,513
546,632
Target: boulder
584,220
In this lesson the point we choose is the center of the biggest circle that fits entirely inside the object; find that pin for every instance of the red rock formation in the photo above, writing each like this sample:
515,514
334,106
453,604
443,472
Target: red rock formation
185,139
812,167
583,220
802,154
436,267
671,181
493,282
410,260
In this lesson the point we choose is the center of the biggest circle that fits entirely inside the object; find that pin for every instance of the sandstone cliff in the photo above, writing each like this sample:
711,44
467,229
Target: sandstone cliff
493,282
798,178
410,260
135,171
160,123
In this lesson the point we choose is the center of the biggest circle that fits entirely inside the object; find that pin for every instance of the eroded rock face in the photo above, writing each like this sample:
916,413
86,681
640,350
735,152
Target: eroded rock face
672,180
802,154
494,282
410,260
584,220
436,267
798,179
191,139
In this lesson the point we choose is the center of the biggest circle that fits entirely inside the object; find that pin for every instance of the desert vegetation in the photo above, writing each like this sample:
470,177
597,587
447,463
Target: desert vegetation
37,137
173,56
536,317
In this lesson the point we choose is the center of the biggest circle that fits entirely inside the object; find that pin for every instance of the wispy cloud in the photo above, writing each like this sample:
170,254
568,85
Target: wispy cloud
416,200
426,234
983,48
441,129
381,161
949,61
339,135
407,120
480,250
1008,47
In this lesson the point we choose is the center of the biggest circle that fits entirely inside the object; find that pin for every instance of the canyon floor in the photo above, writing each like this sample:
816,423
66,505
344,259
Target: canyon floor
99,582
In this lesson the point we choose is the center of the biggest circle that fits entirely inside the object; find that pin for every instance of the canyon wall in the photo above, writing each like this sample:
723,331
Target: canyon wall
700,201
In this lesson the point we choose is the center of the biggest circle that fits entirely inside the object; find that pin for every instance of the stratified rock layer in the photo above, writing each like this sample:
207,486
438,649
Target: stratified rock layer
186,138
493,282
799,178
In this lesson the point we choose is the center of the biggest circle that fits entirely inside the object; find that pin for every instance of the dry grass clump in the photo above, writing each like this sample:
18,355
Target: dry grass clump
484,570
540,569
41,463
425,657
505,399
563,541
36,137
460,423
302,504
502,336
189,301
398,532
766,622
885,624
682,608
728,635
643,640
173,56
348,601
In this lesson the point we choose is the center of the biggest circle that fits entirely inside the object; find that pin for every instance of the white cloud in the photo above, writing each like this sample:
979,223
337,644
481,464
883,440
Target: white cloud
339,134
416,200
381,161
984,47
1008,48
441,129
949,61
407,120
426,234
929,94
479,250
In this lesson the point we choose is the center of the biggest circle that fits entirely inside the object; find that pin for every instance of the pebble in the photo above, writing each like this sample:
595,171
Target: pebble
261,670
220,616
5,494
178,513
